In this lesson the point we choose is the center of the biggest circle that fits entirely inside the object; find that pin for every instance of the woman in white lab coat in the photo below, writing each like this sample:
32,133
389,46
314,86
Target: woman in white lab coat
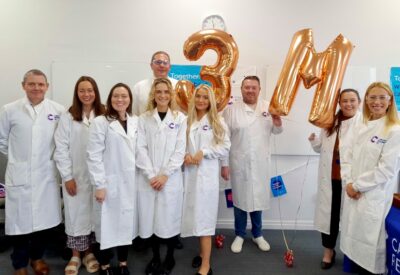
111,161
161,150
207,141
370,170
71,139
330,146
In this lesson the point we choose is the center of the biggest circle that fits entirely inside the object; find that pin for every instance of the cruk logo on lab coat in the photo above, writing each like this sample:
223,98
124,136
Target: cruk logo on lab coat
377,140
207,127
53,117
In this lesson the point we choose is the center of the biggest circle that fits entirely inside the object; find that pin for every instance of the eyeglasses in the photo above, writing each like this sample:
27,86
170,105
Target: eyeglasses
379,98
159,62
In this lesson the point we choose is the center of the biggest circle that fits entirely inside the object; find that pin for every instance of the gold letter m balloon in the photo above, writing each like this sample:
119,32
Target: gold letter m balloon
325,69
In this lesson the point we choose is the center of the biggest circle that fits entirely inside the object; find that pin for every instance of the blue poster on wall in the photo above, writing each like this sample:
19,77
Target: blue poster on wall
187,72
395,83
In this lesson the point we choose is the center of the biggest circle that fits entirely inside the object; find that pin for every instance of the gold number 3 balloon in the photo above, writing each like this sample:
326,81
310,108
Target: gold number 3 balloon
325,69
218,74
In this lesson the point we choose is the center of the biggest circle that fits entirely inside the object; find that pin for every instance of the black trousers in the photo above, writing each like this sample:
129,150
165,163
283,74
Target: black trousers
329,241
155,246
28,246
106,255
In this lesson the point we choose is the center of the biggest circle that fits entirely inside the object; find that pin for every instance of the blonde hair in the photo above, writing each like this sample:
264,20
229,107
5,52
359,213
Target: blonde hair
212,114
392,117
152,104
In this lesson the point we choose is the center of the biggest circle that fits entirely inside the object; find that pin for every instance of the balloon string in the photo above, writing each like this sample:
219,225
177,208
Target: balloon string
301,197
280,218
288,119
279,200
297,167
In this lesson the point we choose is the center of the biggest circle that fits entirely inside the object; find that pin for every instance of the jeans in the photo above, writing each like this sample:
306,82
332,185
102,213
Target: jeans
241,222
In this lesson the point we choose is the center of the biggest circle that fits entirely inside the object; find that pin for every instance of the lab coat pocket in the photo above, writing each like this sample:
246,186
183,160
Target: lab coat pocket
52,169
17,174
127,204
174,183
369,215
112,183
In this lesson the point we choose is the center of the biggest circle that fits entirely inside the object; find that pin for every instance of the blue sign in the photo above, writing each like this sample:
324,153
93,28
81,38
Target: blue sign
395,83
278,186
187,72
228,197
393,241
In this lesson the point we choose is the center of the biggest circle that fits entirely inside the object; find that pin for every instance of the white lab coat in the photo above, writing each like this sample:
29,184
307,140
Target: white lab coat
250,155
372,166
161,150
325,145
141,92
201,183
33,191
111,162
71,139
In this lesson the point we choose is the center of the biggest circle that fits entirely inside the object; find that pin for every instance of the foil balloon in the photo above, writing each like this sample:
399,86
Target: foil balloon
218,74
325,70
184,91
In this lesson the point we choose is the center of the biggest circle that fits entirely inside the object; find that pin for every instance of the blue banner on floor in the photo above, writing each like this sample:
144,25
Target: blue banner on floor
393,241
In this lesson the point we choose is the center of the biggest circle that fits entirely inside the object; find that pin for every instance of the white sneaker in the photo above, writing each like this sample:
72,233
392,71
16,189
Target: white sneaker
262,244
237,244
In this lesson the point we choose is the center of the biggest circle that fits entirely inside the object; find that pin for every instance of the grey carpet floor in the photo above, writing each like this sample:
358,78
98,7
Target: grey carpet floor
251,261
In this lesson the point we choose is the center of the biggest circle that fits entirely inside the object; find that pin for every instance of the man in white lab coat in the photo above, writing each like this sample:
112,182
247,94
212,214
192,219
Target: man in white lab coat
33,193
250,127
160,65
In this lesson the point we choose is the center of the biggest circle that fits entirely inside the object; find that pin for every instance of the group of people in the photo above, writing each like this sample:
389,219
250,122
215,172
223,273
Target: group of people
360,154
138,166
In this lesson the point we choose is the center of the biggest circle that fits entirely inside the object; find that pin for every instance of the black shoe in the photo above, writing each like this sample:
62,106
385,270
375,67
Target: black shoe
325,265
167,267
123,270
196,262
178,244
107,271
152,267
208,273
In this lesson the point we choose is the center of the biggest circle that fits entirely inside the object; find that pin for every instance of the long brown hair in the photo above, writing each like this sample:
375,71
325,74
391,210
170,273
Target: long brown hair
76,109
339,117
111,113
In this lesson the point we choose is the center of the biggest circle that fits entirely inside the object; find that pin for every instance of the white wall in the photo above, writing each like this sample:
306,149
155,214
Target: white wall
34,34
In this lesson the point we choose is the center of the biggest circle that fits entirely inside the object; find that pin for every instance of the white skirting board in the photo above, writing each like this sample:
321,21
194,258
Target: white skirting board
271,224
